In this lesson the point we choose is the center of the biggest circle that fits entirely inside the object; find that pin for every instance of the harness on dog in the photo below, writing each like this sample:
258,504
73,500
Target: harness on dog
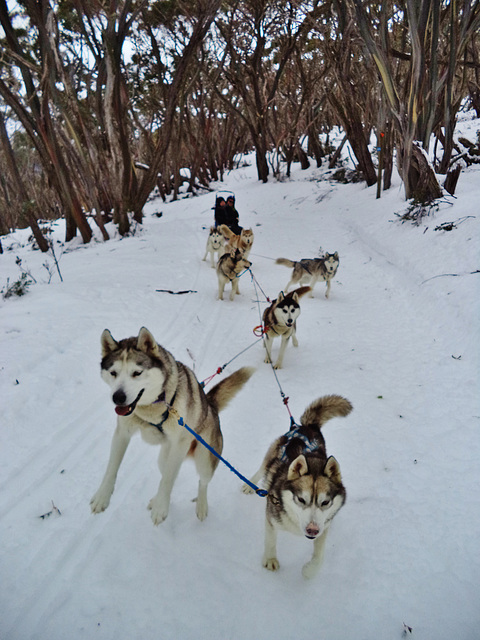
295,434
261,330
305,268
161,398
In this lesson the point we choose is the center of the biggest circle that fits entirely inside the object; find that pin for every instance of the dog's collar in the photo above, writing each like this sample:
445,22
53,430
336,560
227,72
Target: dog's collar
295,434
161,398
270,327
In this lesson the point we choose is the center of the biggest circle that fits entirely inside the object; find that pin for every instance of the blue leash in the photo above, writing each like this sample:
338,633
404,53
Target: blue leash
260,492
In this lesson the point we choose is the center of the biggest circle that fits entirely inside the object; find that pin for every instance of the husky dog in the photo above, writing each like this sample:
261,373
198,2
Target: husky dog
146,381
229,267
244,241
215,244
305,488
280,321
309,270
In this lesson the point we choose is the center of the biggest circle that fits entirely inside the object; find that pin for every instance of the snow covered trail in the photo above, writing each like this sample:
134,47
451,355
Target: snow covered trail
400,345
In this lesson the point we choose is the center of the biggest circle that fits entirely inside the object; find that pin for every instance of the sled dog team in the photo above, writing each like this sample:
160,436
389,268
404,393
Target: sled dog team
232,259
150,389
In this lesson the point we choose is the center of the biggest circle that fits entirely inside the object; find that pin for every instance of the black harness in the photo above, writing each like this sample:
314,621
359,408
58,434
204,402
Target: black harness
295,434
161,398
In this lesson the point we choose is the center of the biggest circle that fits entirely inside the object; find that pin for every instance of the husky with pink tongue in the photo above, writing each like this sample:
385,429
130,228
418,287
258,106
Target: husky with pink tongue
146,383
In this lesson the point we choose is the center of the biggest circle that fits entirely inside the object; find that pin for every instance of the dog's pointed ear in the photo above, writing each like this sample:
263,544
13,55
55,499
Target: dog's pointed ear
295,296
332,470
335,255
146,342
281,296
297,468
108,343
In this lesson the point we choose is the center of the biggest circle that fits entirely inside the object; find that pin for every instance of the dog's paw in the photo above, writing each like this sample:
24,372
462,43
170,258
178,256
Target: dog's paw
272,564
202,510
100,501
310,570
159,511
247,489
278,365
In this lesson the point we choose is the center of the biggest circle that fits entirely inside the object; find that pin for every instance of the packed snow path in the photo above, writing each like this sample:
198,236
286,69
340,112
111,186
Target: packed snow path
398,342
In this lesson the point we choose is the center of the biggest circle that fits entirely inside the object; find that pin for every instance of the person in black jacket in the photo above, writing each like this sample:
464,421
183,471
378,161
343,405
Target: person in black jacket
225,213
231,216
219,208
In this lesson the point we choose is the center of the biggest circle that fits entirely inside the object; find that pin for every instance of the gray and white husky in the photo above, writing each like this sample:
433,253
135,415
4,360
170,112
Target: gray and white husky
229,269
146,382
305,489
310,270
215,245
280,321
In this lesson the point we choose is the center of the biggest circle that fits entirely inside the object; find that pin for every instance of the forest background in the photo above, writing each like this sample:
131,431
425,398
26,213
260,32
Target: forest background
104,103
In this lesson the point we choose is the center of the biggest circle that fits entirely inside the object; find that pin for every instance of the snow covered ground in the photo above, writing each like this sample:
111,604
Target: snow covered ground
398,337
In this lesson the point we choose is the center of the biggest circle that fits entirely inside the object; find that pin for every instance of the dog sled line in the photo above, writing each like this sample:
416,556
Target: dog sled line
295,464
161,398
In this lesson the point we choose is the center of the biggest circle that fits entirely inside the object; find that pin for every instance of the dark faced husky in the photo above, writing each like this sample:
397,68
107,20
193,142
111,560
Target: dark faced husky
309,270
305,488
280,321
146,380
215,244
229,268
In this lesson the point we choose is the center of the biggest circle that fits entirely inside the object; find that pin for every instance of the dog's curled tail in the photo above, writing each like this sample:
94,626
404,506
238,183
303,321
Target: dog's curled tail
301,291
285,262
226,231
224,391
325,408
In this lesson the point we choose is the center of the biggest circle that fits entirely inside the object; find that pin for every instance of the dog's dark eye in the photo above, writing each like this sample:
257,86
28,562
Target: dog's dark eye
325,503
113,374
301,500
135,374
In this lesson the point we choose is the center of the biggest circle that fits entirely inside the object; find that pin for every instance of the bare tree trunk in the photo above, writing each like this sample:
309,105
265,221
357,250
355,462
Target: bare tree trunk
352,123
23,202
315,147
261,155
35,114
419,178
417,175
388,143
180,75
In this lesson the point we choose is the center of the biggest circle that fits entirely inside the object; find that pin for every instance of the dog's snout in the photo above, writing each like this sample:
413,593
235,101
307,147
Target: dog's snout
312,530
119,397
